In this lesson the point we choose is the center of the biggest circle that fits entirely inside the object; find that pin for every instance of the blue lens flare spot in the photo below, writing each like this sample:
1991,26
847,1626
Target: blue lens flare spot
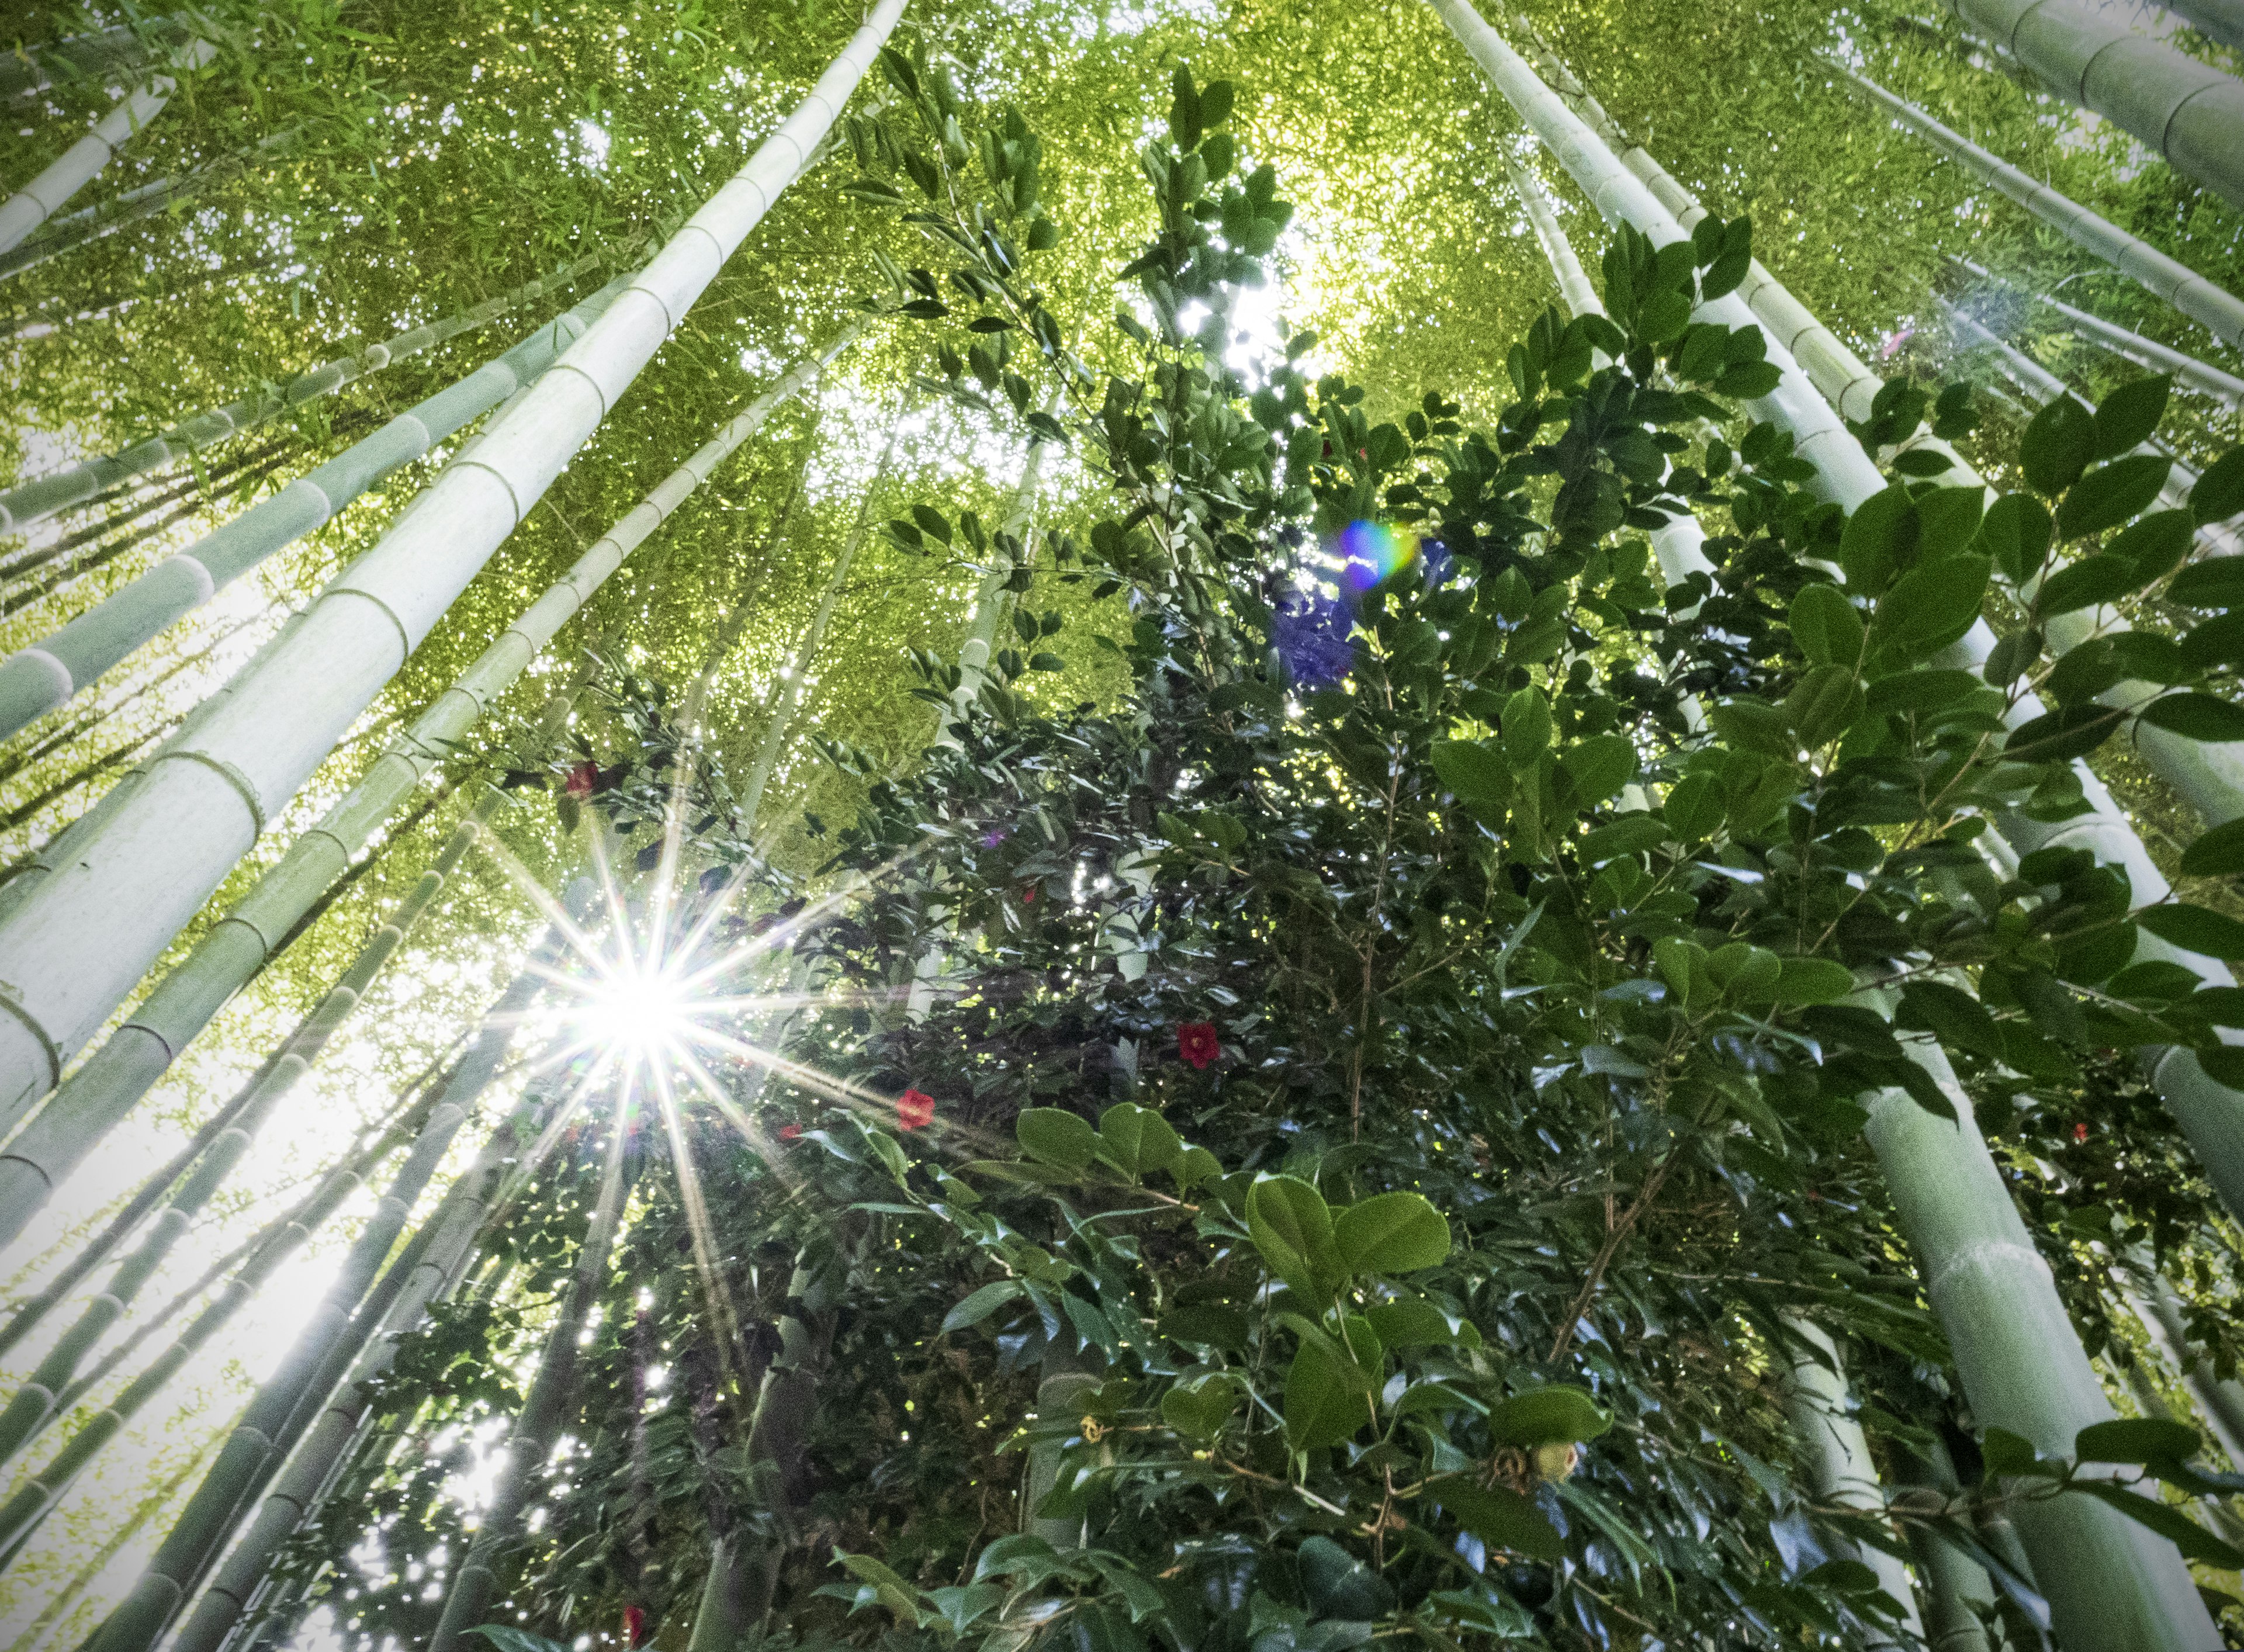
1371,552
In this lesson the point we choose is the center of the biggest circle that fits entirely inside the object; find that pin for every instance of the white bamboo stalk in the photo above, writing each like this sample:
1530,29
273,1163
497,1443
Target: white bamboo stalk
1822,1412
73,950
35,681
2110,1584
103,1090
41,496
2188,112
2194,295
2125,341
39,200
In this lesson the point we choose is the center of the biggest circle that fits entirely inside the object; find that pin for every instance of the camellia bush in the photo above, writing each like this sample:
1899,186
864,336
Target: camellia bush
1360,1130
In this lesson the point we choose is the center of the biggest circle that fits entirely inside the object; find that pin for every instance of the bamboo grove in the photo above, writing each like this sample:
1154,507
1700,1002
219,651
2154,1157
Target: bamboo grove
1230,826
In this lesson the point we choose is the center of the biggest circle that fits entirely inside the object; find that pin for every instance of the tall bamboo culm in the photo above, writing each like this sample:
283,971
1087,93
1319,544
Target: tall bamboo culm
79,941
2135,1594
2187,112
116,1076
788,695
2121,341
82,162
209,1519
33,501
2194,295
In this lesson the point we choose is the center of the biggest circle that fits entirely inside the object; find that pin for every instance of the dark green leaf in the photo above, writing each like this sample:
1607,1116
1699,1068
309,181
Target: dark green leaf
1292,1227
2058,445
983,1302
1057,1137
2195,928
1501,1518
2112,494
2220,492
1557,1415
1390,1233
2137,1439
2125,418
2205,717
2219,853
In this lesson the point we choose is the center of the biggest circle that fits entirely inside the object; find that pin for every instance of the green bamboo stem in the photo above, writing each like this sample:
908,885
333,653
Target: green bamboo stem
476,1584
2123,342
77,943
744,1572
2151,1297
2187,112
32,1501
990,598
2194,295
94,716
35,500
77,166
203,1527
454,1231
95,1097
1957,1586
789,698
1821,1412
34,1403
2111,1585
35,680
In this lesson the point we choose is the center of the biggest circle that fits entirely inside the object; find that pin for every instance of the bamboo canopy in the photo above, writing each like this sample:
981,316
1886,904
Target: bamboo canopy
1223,828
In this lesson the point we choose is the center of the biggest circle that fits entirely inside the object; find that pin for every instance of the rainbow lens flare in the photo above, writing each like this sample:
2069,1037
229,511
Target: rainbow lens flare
1372,551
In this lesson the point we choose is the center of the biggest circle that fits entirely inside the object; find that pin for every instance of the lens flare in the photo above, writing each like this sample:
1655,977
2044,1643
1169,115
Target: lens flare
1372,551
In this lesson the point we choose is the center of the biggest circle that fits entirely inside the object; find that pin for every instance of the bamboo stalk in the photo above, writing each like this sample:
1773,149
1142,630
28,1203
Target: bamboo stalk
1821,1412
37,679
39,200
531,1443
91,223
2125,341
208,1518
100,1092
32,501
1956,1586
84,935
27,69
2187,112
34,1403
2194,295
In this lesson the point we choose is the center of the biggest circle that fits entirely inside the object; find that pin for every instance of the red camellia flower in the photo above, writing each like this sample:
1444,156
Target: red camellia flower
914,1110
790,1133
2080,1133
1196,1042
1029,892
580,783
634,1626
